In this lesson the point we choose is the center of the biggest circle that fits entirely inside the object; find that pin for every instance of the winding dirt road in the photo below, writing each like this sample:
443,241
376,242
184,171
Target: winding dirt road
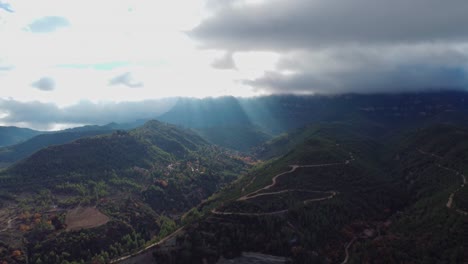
347,250
250,196
172,235
463,177
9,225
256,193
293,169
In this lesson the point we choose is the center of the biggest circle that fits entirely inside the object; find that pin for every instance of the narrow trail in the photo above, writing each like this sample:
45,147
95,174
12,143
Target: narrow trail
9,225
306,202
172,235
332,194
248,184
450,199
286,191
347,250
214,211
295,229
245,197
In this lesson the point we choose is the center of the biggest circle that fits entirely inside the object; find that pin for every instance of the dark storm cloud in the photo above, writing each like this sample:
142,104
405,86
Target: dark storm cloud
125,79
44,115
402,79
377,69
335,46
44,84
281,24
48,24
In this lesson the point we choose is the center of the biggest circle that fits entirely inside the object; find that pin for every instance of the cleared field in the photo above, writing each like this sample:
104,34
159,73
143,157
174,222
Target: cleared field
84,218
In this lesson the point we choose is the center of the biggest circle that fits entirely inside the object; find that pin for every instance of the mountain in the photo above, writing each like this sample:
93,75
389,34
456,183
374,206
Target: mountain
273,115
278,114
112,193
317,179
13,135
110,126
208,112
341,191
16,152
11,154
221,121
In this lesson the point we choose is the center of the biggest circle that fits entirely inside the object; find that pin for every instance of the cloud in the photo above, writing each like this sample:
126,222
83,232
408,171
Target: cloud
225,63
218,4
48,24
40,115
285,25
368,70
104,66
125,79
44,84
6,68
336,46
6,7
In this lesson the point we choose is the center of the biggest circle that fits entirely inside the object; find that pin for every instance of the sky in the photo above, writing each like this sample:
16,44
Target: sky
65,63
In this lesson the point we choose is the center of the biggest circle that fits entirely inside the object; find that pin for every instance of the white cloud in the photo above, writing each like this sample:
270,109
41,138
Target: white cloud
146,38
125,79
44,84
48,24
48,115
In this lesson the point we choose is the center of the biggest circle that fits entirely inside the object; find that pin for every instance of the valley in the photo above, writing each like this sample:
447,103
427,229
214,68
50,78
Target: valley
332,191
237,210
117,190
234,132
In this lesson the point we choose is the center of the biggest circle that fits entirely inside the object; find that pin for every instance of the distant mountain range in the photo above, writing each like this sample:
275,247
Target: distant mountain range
36,140
257,118
13,135
242,123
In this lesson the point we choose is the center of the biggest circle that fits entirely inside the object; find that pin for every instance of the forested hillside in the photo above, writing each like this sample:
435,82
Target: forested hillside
22,150
347,197
362,179
134,185
430,165
19,151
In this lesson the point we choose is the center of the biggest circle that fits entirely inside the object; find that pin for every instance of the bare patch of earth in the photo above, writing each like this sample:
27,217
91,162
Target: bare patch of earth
84,218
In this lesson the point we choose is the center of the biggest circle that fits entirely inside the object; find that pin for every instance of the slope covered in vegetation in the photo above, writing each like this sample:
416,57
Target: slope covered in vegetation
374,195
22,150
142,181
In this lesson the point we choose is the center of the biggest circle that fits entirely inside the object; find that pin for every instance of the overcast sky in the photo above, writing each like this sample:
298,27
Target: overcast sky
57,55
